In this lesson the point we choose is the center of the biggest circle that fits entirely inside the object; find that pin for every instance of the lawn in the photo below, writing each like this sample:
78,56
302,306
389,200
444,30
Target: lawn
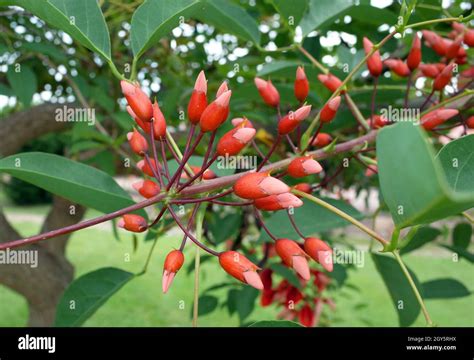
141,302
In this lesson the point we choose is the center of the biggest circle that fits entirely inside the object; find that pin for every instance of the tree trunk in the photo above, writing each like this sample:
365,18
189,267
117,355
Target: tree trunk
42,286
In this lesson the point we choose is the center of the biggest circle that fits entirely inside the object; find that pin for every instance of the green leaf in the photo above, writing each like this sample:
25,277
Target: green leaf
457,160
241,301
46,49
83,20
294,9
72,180
23,82
221,233
461,252
310,219
412,181
287,274
207,304
229,17
275,323
321,12
444,288
462,235
402,295
423,236
87,294
156,18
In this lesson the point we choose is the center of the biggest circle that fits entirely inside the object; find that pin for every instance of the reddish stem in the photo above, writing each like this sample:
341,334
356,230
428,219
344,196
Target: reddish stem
262,223
270,152
156,171
190,224
293,223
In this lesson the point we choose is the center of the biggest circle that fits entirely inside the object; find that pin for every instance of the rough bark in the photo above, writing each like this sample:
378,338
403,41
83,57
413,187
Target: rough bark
41,286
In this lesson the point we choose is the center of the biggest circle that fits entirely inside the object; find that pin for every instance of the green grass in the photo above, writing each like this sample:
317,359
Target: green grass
141,302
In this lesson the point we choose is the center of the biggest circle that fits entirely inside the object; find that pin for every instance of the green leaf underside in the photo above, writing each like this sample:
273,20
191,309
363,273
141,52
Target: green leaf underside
72,180
88,293
23,83
310,219
423,236
156,18
275,323
403,155
444,288
322,11
83,20
402,295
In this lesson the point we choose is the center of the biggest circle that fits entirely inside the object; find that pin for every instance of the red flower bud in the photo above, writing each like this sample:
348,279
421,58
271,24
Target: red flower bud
137,142
470,122
319,252
137,100
222,89
267,297
293,296
207,175
435,41
304,187
303,166
437,117
242,122
257,185
278,202
414,57
241,268
268,92
144,125
293,256
301,85
398,67
329,110
306,316
147,188
378,121
173,262
371,170
198,102
322,140
429,70
291,121
469,37
159,122
443,78
216,113
143,166
374,62
132,222
331,82
454,47
235,140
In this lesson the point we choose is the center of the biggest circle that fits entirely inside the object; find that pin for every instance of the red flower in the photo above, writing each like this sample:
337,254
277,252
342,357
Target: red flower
319,252
241,268
137,142
258,185
143,166
291,121
303,166
215,113
198,102
173,262
306,316
268,92
443,78
414,57
147,188
329,110
278,202
159,122
303,187
132,222
293,256
374,62
232,142
301,85
398,67
322,140
137,100
331,82
437,117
